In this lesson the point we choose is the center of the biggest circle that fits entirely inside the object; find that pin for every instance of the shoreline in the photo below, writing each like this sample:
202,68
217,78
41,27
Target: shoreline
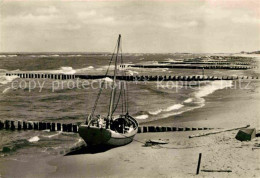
222,103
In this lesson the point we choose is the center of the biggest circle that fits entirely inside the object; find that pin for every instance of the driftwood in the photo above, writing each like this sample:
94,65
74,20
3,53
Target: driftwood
208,170
255,148
216,132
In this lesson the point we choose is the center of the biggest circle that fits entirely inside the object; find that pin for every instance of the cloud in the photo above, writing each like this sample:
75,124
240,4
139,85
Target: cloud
246,19
154,26
84,14
93,17
178,25
47,10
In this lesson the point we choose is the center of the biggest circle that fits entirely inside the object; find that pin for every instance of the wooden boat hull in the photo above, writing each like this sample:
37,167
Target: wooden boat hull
99,136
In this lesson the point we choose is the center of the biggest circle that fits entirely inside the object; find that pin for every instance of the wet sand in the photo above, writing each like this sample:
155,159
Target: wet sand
224,108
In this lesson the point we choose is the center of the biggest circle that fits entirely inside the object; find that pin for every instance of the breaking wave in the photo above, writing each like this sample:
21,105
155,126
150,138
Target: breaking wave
130,72
67,70
196,100
173,107
155,112
34,139
107,79
213,86
6,89
189,100
6,79
85,69
142,117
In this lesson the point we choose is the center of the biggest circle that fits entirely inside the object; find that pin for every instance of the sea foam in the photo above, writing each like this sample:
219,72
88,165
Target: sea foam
6,89
173,107
34,139
67,70
142,117
197,100
7,79
213,86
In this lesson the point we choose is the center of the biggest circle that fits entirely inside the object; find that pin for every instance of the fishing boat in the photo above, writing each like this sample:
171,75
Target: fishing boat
111,130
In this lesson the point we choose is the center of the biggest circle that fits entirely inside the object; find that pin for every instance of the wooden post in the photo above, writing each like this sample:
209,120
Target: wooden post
12,125
139,130
164,129
64,127
69,127
52,126
7,124
1,125
44,125
58,126
24,125
151,129
144,129
30,125
198,167
75,128
35,125
169,129
48,126
19,127
40,126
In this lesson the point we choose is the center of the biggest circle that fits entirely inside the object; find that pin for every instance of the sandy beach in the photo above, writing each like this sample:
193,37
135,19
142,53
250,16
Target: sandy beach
178,158
130,89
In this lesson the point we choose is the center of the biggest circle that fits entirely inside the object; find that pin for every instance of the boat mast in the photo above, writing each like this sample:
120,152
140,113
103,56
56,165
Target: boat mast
114,81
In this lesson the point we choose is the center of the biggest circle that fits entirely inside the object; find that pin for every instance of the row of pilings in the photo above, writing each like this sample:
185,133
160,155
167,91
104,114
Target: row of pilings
207,63
145,129
129,78
37,125
44,76
13,125
227,67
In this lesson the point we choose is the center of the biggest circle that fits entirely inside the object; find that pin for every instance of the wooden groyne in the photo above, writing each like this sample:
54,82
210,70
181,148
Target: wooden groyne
19,125
185,66
146,129
37,125
208,63
128,78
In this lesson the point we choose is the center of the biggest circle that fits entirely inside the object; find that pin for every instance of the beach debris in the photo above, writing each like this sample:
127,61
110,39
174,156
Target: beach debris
216,132
209,170
198,166
246,134
255,148
155,142
6,149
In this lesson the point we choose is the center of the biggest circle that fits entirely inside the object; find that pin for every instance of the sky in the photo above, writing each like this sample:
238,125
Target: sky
158,26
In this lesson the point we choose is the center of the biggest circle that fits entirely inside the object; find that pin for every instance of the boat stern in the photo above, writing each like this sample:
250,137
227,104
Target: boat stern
94,135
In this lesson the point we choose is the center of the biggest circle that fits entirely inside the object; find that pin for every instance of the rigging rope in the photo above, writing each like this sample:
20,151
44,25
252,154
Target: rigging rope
117,101
125,89
102,85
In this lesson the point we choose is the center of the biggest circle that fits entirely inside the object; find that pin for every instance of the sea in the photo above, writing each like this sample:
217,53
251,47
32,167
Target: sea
70,101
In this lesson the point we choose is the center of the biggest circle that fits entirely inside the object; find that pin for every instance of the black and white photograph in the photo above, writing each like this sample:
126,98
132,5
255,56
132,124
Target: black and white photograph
129,88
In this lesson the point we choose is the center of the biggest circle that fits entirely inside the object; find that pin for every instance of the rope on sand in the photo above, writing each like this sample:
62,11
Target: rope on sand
216,132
